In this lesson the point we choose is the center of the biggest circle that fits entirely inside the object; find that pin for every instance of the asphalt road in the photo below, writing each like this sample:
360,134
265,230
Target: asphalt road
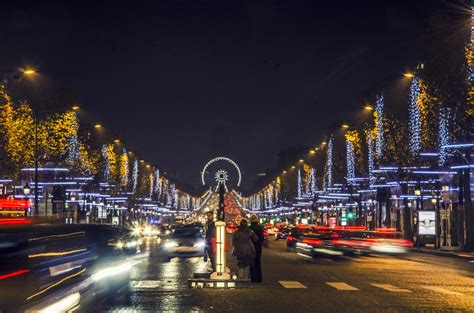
410,283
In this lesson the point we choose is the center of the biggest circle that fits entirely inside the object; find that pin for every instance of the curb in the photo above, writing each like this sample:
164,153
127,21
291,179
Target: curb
457,255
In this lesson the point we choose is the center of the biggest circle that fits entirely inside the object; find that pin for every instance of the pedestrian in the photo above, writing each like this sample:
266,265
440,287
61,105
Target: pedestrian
244,248
210,239
256,268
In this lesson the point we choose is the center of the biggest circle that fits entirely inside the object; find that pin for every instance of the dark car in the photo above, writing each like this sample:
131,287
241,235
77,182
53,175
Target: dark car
184,241
282,233
296,234
368,242
82,257
316,245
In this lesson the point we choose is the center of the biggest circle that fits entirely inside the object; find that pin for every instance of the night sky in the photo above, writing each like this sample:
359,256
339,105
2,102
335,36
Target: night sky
184,81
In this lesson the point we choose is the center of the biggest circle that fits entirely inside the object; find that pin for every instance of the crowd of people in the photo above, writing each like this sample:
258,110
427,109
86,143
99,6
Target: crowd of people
247,243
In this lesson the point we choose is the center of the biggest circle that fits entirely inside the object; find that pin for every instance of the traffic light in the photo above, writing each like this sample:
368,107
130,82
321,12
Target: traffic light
350,215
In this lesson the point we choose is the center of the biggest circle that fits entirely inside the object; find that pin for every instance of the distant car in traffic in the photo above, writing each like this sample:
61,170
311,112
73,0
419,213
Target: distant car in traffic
184,242
296,234
282,233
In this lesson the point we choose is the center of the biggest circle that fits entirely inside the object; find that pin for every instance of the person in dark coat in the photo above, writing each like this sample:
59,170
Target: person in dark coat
210,233
256,268
244,248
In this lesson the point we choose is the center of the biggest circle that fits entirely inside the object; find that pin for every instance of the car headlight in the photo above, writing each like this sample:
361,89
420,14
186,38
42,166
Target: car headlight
131,244
147,231
171,244
136,231
120,244
200,244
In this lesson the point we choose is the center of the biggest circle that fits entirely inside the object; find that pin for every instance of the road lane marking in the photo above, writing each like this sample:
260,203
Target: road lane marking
442,290
390,288
291,284
341,286
145,284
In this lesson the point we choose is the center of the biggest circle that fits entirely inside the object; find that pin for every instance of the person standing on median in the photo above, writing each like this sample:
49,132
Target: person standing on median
256,268
244,248
210,239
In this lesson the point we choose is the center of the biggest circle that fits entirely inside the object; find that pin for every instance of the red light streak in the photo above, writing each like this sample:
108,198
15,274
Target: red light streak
316,242
14,204
14,221
12,274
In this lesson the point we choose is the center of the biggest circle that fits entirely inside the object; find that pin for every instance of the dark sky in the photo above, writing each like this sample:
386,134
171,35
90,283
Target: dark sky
184,81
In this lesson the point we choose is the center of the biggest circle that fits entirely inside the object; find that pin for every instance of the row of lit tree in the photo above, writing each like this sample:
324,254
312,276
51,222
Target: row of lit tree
438,111
59,139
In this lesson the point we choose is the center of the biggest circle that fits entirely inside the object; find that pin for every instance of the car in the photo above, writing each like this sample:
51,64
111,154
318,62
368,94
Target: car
315,245
184,242
270,229
282,233
296,234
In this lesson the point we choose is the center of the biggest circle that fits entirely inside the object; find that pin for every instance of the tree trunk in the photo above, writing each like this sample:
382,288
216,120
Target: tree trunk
460,219
454,225
469,216
407,220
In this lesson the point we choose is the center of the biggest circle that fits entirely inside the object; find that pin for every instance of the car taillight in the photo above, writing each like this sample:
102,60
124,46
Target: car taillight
315,242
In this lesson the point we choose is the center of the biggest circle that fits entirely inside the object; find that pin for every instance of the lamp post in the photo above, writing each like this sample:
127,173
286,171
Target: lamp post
26,192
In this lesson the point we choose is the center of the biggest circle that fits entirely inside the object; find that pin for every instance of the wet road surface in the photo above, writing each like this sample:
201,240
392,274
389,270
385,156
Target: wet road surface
413,282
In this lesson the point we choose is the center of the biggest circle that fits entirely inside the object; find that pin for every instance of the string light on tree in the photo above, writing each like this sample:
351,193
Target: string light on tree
156,186
124,169
270,196
444,134
73,150
329,163
414,114
299,184
379,104
350,161
171,195
370,156
151,179
106,160
313,186
135,176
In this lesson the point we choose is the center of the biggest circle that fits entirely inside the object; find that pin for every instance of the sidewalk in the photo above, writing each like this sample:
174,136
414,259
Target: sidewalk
451,254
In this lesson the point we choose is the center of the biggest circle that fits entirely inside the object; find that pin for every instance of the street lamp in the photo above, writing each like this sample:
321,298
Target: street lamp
29,72
368,108
26,189
345,126
409,75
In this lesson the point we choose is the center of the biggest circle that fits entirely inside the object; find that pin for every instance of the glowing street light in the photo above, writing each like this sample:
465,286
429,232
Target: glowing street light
345,126
409,75
301,161
29,72
97,126
368,108
117,141
312,151
75,107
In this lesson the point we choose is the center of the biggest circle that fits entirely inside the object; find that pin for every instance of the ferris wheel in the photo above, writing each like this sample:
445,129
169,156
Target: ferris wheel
221,176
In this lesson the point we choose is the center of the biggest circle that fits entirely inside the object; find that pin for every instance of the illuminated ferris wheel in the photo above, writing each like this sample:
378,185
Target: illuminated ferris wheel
221,176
